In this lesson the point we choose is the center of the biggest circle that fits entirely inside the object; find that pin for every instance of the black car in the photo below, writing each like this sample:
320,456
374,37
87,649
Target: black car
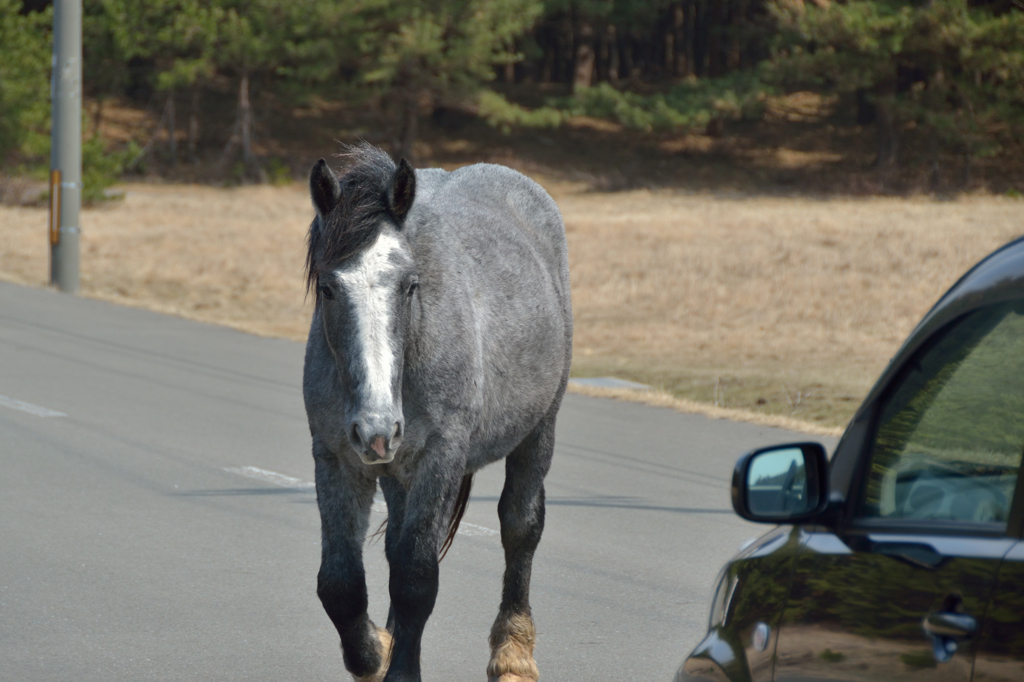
901,557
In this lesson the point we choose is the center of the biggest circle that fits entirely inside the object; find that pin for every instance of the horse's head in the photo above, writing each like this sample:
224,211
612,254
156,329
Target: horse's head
366,283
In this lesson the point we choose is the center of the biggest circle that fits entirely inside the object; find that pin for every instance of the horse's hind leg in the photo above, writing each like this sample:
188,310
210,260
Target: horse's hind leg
521,511
344,503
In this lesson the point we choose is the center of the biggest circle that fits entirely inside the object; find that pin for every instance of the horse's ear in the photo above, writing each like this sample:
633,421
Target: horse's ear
324,188
403,190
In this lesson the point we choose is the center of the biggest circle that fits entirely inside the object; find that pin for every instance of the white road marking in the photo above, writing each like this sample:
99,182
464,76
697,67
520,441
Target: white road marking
271,477
379,506
37,410
473,529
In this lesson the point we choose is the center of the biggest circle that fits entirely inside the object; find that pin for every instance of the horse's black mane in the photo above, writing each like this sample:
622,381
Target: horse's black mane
355,222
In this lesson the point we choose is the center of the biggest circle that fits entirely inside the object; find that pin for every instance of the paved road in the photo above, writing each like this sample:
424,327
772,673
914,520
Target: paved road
156,521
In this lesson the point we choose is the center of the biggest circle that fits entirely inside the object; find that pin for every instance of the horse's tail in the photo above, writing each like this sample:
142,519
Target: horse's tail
461,502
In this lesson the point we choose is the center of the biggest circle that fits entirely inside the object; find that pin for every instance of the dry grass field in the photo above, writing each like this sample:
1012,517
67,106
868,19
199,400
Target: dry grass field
780,306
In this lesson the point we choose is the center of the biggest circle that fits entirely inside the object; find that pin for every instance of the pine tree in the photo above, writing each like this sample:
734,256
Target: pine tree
422,52
178,36
296,43
955,72
24,82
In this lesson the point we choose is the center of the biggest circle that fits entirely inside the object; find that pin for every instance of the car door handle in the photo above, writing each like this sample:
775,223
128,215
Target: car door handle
944,628
947,624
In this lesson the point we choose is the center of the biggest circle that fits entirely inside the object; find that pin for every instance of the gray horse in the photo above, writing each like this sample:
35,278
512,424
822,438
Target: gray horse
440,343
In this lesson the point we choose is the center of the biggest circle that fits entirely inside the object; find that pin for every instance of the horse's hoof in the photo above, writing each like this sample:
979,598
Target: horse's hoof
385,658
512,641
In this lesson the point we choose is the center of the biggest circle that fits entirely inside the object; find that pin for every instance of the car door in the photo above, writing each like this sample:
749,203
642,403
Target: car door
999,656
898,589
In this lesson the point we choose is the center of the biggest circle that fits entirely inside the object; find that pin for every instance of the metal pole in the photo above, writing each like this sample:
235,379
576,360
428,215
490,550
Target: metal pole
66,143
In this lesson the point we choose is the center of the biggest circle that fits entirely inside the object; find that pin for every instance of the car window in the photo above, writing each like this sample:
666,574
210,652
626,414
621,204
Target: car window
951,435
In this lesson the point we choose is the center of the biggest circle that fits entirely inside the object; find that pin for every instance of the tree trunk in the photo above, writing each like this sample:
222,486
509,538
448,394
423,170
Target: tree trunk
245,109
718,18
689,22
193,126
888,134
172,130
678,67
700,38
867,113
601,55
549,43
241,134
245,115
736,23
97,116
669,41
583,72
614,68
935,176
409,112
144,153
566,50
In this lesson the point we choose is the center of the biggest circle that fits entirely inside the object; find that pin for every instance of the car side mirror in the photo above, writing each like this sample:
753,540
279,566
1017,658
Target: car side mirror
781,484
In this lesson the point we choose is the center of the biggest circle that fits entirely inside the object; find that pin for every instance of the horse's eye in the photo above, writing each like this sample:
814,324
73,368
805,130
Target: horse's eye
326,292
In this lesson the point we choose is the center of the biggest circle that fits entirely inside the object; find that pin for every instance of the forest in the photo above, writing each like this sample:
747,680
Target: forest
929,82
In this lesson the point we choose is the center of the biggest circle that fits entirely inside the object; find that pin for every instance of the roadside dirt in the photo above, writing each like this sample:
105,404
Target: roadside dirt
786,306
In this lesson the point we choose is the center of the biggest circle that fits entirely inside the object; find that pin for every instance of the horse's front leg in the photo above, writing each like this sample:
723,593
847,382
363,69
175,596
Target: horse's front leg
395,496
414,564
344,498
521,512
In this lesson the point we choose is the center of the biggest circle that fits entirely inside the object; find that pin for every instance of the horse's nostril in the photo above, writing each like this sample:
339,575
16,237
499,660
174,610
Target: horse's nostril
397,431
355,436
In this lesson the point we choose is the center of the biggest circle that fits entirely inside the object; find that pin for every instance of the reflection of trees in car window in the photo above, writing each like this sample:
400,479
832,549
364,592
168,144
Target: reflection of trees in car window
951,435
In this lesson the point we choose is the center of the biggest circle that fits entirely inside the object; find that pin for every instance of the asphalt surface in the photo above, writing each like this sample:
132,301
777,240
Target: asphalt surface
156,520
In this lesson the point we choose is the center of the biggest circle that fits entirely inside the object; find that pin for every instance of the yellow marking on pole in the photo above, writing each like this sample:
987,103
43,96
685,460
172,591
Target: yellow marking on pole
54,207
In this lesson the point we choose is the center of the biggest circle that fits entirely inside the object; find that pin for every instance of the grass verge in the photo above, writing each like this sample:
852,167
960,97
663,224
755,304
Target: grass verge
667,400
786,308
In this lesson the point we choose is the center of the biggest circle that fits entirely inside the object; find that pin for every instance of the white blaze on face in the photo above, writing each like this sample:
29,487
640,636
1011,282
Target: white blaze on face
370,290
